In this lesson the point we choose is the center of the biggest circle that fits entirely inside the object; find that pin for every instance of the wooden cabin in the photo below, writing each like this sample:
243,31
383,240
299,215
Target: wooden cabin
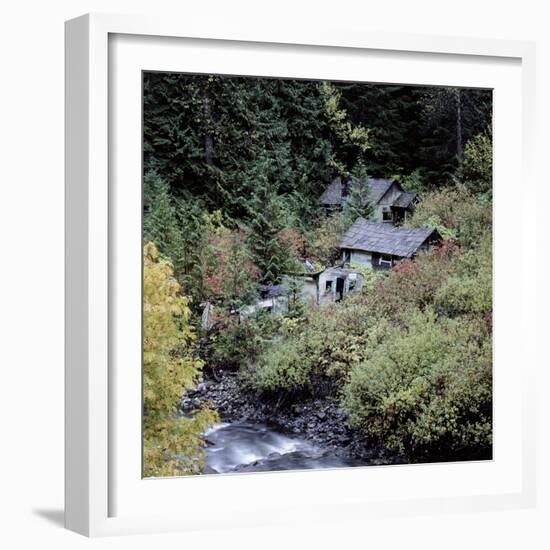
379,245
391,202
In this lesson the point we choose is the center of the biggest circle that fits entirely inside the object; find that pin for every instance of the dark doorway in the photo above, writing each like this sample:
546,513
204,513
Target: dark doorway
339,289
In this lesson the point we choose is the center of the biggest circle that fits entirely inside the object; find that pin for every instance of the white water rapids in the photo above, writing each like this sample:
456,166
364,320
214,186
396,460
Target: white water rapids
256,447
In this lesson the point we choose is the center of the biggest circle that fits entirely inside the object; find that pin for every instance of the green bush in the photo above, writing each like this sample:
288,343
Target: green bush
283,369
469,290
318,353
425,388
456,213
478,163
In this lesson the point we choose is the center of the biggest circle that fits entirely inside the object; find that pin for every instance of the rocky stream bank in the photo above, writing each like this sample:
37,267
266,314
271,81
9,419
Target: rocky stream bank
256,435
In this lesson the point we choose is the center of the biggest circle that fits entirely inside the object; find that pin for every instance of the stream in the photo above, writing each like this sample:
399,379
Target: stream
251,447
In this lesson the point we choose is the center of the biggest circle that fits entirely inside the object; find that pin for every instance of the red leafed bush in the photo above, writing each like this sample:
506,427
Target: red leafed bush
415,282
293,241
229,271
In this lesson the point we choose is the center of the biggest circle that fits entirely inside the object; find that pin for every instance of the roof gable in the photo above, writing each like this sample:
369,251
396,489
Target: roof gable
385,238
379,187
333,193
405,200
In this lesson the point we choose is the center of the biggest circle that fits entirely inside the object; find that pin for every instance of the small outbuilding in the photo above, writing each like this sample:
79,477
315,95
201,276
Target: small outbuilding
326,286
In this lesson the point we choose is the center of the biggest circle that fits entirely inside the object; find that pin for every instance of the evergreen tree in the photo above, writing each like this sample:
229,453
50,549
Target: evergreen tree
160,223
358,203
240,273
265,222
202,133
296,305
392,114
193,246
451,117
415,129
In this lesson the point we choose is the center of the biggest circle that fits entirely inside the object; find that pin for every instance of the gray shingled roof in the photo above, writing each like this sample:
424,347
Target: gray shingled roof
404,200
384,238
333,193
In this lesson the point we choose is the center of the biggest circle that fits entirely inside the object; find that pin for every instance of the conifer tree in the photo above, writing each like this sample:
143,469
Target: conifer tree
160,223
194,246
265,222
202,133
450,117
358,203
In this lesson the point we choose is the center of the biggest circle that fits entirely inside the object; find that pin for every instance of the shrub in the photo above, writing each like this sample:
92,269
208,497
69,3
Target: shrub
370,277
230,275
236,342
456,213
469,290
413,283
425,388
478,163
316,355
283,369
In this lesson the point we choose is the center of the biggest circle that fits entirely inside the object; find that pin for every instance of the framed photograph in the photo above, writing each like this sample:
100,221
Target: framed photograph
293,288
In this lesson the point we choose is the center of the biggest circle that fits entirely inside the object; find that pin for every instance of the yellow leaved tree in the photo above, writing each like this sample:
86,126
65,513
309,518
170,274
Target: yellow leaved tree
171,444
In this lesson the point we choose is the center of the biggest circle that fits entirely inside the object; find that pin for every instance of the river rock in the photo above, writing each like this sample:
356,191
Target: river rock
319,420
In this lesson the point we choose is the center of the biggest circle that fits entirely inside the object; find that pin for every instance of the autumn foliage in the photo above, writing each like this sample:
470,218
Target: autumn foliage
172,444
231,271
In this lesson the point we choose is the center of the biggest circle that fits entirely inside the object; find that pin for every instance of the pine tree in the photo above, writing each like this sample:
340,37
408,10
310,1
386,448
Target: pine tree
194,246
265,222
202,133
358,203
160,223
451,117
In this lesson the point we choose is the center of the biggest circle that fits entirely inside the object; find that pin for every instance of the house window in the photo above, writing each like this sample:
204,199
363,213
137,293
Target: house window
386,260
328,287
387,216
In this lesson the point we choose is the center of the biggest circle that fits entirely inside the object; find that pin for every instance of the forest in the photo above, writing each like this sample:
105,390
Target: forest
233,172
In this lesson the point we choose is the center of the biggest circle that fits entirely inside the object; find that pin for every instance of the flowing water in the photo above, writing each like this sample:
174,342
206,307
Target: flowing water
242,447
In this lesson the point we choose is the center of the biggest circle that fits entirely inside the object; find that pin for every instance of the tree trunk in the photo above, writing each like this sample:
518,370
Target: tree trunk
208,139
459,144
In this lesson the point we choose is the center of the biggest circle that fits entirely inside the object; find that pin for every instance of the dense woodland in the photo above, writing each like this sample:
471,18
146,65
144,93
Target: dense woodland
233,170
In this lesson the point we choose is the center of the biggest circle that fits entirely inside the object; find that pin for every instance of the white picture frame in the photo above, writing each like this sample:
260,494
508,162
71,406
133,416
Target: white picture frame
104,53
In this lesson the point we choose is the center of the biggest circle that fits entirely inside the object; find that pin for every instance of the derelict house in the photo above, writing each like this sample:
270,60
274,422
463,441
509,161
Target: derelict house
391,202
327,285
379,246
